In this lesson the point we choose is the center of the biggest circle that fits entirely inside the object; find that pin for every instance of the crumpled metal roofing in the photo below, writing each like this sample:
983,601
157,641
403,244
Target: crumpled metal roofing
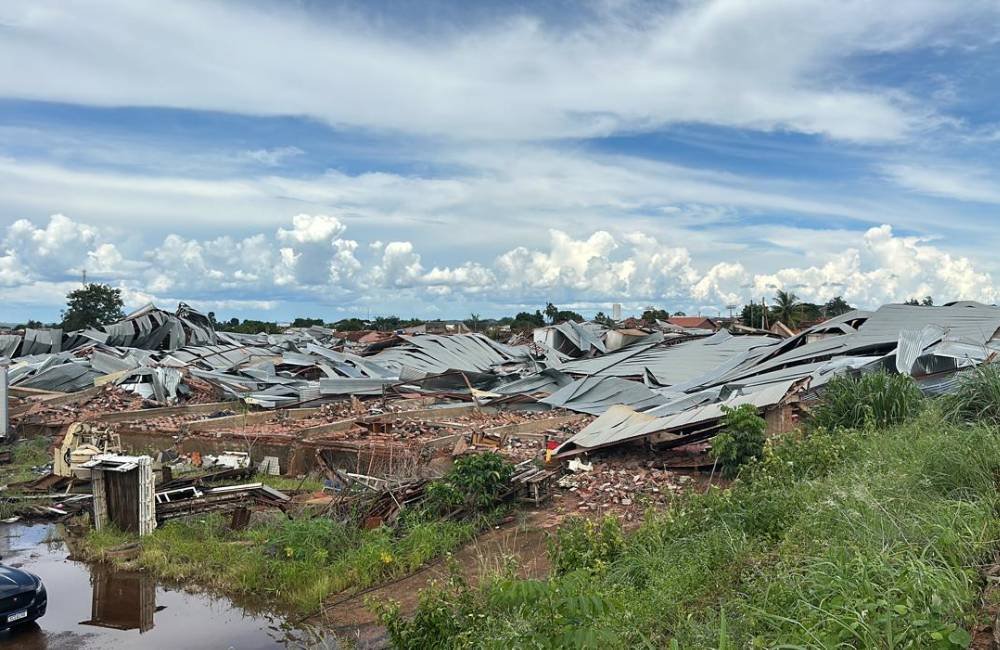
621,423
670,364
434,354
597,394
548,380
583,336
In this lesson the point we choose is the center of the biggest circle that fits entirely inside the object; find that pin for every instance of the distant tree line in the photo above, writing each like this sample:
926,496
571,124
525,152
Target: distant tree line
788,309
93,305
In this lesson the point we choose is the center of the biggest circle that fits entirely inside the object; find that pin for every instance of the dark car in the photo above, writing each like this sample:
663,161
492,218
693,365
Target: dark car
22,597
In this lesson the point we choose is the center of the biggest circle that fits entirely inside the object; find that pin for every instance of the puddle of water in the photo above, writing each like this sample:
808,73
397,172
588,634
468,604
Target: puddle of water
97,607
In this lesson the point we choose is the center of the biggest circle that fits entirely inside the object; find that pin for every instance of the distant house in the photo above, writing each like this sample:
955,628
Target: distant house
782,330
694,322
447,327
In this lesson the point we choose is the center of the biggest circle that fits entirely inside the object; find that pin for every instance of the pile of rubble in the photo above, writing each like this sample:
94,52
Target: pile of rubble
625,488
110,399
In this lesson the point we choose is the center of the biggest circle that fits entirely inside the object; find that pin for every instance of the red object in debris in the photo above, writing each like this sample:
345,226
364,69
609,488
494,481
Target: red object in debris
551,444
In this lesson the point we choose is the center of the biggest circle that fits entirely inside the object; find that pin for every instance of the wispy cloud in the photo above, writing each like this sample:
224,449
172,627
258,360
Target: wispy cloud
747,65
961,182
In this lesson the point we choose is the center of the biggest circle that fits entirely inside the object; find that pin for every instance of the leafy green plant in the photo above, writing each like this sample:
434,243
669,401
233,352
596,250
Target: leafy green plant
869,401
451,616
977,397
581,543
741,440
474,483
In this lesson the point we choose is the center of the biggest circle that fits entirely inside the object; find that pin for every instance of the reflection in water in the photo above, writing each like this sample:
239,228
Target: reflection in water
122,605
122,600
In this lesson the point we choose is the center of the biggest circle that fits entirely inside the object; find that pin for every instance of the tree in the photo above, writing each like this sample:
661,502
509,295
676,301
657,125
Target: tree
836,307
473,322
92,306
387,323
679,313
741,440
787,308
349,325
552,313
307,322
752,315
525,322
653,314
604,320
927,302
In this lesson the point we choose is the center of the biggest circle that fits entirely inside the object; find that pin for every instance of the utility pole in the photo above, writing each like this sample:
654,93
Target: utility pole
84,273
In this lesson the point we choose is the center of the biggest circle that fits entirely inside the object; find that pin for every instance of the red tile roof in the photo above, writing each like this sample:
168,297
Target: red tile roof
694,322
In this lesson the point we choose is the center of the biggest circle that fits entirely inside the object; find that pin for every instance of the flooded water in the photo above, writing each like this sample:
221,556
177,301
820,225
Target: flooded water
94,606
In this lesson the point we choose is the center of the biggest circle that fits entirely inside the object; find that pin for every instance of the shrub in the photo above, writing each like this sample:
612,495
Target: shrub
977,396
874,400
474,483
741,440
581,543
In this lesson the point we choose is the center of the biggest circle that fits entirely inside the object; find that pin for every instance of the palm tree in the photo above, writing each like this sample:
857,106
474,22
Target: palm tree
787,307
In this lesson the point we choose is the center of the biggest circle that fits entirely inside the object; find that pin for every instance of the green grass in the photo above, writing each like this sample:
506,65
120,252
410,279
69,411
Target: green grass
846,539
869,401
27,453
289,564
289,483
977,397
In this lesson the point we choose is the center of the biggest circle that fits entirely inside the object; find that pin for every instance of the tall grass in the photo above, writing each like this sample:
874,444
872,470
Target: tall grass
292,564
832,540
869,401
977,397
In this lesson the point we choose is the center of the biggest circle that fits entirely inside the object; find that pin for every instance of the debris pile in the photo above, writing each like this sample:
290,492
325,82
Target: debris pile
628,488
398,407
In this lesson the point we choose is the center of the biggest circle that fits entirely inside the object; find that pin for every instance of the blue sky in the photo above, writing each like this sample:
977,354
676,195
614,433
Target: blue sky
330,159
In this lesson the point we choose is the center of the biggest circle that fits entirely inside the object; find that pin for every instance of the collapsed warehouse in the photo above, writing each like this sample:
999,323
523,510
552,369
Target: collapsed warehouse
394,408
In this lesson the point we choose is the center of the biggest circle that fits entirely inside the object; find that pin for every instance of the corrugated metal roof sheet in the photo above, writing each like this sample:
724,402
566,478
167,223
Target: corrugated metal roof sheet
670,364
620,423
434,354
597,394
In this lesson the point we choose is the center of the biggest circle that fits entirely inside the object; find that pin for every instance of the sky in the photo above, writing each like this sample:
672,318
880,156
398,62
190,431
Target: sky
265,159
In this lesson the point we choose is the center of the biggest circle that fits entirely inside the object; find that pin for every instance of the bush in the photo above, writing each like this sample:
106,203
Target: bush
459,616
874,400
741,440
474,483
581,543
977,396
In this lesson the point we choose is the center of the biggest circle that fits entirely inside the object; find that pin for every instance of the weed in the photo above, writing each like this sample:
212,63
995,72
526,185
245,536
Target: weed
294,564
474,483
741,440
581,543
977,397
869,401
